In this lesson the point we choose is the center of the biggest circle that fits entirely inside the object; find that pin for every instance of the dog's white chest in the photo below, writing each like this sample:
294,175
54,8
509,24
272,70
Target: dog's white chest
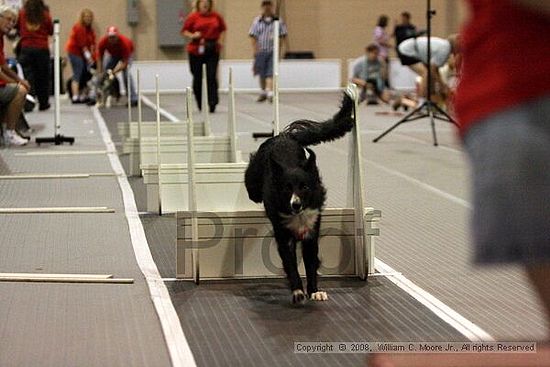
301,224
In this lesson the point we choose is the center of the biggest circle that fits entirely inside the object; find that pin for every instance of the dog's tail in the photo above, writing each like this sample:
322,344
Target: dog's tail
307,132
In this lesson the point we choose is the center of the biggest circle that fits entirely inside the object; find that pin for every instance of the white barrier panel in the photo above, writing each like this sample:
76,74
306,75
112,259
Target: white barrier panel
295,74
149,129
236,245
219,187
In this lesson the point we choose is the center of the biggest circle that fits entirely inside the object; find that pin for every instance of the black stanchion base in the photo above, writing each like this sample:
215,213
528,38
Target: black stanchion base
263,135
57,140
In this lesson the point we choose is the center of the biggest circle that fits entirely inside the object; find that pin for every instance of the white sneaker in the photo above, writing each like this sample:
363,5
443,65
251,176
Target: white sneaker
12,138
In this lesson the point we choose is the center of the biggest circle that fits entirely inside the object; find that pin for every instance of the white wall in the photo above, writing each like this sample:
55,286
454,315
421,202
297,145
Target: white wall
308,75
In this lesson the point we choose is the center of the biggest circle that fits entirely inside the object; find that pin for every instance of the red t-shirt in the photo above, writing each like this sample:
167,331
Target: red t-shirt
122,49
37,38
81,37
506,60
211,25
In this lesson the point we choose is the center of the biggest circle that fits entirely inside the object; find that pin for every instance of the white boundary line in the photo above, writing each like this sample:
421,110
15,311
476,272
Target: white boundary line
444,312
415,181
178,348
162,111
447,314
424,185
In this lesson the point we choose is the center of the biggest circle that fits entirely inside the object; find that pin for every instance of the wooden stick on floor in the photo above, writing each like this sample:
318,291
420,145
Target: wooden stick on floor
101,209
63,278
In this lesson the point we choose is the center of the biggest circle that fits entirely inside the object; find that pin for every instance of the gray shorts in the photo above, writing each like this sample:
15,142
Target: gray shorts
510,160
263,64
7,94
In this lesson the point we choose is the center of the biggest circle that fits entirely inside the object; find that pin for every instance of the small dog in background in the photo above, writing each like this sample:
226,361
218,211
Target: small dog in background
283,174
101,88
108,87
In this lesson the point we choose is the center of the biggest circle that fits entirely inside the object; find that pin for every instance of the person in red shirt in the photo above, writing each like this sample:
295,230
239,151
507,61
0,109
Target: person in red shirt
205,29
503,107
35,26
81,50
120,54
13,89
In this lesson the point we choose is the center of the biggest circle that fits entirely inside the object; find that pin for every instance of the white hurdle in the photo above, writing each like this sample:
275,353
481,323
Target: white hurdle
217,160
236,243
139,137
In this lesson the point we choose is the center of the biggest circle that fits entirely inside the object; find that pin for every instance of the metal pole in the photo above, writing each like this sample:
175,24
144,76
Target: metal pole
191,191
128,93
276,78
57,77
57,138
204,104
158,143
138,77
232,119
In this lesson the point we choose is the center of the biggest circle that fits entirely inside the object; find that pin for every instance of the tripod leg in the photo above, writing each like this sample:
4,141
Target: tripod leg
432,122
441,112
403,120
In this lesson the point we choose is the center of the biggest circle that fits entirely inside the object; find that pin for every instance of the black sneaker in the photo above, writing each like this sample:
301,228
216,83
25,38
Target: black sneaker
262,98
44,107
212,108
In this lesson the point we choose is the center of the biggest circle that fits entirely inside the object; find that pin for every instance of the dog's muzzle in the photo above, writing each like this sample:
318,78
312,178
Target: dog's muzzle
296,204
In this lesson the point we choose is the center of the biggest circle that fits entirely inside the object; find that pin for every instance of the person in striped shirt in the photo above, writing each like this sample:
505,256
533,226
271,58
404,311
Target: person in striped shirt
261,33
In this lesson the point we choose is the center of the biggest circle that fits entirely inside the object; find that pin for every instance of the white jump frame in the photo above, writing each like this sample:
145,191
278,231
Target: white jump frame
231,128
362,217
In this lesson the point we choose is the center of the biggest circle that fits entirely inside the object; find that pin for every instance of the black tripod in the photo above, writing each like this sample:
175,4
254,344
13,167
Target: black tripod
428,108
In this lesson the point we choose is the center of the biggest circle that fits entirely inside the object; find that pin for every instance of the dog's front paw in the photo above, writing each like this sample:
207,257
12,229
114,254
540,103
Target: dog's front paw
319,296
298,297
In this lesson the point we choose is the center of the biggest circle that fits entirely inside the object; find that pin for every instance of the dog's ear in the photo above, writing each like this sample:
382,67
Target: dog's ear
311,162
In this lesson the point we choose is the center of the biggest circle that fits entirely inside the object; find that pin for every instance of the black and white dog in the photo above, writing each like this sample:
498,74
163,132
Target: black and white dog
283,174
108,88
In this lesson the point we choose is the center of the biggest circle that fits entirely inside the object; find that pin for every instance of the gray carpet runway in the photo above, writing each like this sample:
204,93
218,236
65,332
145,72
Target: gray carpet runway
421,190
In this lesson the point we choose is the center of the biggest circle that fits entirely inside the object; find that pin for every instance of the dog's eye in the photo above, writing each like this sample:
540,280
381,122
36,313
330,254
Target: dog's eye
304,187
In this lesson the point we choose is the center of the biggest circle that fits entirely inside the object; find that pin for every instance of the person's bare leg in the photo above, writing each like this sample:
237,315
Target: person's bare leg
540,276
75,89
539,359
422,71
269,84
418,68
15,107
262,84
385,96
